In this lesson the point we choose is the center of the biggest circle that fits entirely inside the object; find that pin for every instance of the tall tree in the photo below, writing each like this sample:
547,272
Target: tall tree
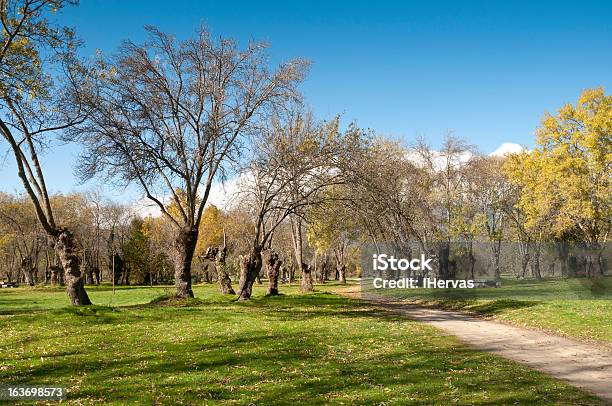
167,114
39,68
565,181
295,161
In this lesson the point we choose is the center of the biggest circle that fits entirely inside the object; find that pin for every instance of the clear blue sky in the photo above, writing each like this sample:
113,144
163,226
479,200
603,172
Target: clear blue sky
485,69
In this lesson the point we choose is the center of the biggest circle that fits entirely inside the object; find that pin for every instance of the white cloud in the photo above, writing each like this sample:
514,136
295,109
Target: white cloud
507,148
145,207
221,195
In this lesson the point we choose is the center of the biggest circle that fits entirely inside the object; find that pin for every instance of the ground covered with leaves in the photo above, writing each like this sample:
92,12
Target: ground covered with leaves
320,348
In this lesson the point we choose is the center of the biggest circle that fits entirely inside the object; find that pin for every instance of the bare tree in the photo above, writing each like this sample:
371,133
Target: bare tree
38,67
167,114
296,159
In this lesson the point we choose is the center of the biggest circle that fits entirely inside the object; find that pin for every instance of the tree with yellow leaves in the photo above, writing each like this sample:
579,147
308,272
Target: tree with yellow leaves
566,180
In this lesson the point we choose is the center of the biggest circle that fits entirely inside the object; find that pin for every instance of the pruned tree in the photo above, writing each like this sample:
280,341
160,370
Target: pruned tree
39,69
168,114
295,160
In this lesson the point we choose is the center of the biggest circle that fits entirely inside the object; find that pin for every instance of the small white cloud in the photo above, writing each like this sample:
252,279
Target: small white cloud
508,148
145,207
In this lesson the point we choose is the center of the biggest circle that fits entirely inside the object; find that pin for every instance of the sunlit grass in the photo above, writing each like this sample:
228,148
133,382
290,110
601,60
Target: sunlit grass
578,307
317,349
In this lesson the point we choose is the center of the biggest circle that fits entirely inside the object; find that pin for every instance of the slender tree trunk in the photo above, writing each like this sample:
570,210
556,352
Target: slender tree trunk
250,265
184,247
495,253
47,268
306,280
65,247
525,253
273,264
536,262
443,255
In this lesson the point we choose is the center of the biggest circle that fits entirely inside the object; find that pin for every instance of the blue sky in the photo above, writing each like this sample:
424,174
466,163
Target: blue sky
486,70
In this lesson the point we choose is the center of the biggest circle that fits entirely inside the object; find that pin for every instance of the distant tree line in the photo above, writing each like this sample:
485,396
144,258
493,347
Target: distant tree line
172,117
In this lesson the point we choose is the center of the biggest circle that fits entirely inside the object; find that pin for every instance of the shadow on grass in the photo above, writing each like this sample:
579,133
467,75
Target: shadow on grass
490,308
282,368
215,349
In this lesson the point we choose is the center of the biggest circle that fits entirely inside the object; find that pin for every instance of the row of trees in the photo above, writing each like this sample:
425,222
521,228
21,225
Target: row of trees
172,117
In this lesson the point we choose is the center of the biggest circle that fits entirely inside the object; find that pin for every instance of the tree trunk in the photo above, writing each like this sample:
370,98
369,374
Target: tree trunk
250,265
535,266
495,253
444,261
225,283
273,264
56,276
89,280
26,268
184,247
306,282
342,274
65,247
525,253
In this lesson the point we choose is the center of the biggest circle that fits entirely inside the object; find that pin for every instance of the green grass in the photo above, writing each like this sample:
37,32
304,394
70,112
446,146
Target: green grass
316,349
578,308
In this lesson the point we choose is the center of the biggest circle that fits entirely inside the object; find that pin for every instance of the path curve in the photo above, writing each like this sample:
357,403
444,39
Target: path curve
582,365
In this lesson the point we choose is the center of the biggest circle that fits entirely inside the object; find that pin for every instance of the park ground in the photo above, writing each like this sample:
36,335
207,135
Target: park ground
319,348
577,308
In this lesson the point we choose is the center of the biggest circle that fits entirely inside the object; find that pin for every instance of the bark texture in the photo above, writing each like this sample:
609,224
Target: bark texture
28,271
306,283
184,247
65,247
273,265
250,265
223,279
342,274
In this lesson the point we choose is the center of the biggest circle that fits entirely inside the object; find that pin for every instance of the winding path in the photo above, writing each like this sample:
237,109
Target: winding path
582,365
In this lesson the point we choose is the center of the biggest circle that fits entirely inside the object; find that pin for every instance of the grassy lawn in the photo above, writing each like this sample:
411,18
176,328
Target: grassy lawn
576,308
317,348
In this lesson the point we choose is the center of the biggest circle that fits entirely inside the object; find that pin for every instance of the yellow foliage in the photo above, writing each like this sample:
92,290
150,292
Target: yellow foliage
566,181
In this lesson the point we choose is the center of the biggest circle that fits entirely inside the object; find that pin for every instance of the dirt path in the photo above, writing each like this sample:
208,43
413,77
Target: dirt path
582,365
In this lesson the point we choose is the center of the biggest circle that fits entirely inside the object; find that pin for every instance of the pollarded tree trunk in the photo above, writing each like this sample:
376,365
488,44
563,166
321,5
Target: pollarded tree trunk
250,265
306,283
273,264
225,283
184,247
26,268
65,247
